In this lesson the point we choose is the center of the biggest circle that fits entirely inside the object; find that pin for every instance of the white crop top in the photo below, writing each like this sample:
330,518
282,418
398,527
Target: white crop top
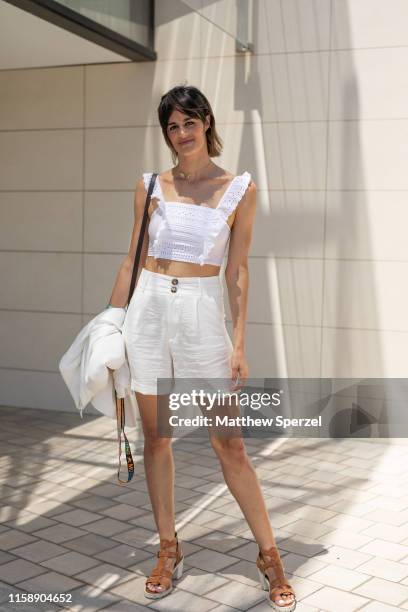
191,232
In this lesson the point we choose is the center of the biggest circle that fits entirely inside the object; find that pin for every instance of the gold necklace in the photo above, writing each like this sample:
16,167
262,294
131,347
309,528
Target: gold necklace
186,176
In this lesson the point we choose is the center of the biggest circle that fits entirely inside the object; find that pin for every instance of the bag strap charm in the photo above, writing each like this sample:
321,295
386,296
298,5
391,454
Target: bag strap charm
120,401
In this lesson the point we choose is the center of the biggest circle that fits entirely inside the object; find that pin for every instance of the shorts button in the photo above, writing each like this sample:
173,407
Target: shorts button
174,281
174,289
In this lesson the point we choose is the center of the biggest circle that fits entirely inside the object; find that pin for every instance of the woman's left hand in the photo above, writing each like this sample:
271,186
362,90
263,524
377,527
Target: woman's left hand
239,368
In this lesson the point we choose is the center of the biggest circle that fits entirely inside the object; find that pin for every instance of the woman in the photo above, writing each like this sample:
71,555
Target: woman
175,322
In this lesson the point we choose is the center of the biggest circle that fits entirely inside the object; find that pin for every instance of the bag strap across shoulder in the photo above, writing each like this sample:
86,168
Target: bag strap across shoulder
120,402
141,236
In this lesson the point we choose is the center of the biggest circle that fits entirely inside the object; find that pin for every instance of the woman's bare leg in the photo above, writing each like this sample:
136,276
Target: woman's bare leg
242,481
159,470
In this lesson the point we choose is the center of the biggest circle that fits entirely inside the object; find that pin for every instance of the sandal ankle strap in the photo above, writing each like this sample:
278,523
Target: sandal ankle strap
275,563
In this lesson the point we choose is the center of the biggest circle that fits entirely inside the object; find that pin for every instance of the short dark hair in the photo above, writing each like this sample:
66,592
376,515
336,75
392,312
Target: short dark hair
192,102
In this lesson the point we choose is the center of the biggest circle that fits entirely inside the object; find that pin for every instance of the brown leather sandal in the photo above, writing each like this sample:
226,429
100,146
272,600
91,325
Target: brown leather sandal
160,574
278,587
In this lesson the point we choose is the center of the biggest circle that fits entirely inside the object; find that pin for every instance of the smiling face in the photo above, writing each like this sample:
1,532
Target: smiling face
187,134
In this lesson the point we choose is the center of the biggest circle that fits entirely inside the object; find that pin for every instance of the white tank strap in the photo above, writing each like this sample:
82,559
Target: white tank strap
234,194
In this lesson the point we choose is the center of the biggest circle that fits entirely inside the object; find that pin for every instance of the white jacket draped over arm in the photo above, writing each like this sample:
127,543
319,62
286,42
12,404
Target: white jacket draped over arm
84,367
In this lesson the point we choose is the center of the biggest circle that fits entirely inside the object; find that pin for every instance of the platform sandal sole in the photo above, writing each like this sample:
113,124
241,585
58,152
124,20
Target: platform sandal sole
264,582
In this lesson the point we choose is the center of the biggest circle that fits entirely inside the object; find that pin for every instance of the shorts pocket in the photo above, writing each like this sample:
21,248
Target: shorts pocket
134,313
211,316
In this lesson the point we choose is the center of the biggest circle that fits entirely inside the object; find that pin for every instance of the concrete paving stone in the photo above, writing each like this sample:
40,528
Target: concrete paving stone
76,518
136,536
122,512
23,501
339,577
248,551
181,494
308,528
189,482
125,606
106,526
90,599
301,545
217,503
50,582
345,506
181,601
89,544
344,538
60,533
132,498
283,506
383,568
348,523
39,551
300,607
386,550
315,498
383,591
189,532
6,590
375,606
311,513
344,557
124,555
210,560
205,516
333,600
231,509
4,557
237,595
83,484
20,606
229,524
200,582
242,571
13,539
18,570
386,490
223,608
197,471
382,502
388,517
302,566
108,490
144,520
28,522
105,576
216,490
92,502
219,541
49,507
70,563
133,590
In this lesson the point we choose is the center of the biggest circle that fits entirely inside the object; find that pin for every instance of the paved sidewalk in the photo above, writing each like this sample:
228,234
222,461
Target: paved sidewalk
339,510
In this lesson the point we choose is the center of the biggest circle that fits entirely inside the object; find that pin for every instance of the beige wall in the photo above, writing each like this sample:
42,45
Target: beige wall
317,115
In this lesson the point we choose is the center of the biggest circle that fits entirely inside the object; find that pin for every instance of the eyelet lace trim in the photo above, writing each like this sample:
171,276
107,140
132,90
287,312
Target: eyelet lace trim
210,225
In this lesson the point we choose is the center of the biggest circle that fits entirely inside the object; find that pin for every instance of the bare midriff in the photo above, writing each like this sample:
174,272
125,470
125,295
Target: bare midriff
180,268
175,268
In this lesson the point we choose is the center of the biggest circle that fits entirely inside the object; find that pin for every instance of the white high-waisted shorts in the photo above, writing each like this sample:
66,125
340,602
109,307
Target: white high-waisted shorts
175,328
